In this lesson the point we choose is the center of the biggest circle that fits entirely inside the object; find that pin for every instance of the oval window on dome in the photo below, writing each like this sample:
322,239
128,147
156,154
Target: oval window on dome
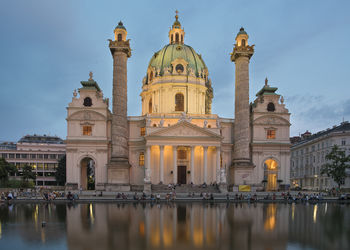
179,68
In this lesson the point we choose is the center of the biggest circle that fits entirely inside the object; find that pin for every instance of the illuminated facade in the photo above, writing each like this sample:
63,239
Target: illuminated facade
177,139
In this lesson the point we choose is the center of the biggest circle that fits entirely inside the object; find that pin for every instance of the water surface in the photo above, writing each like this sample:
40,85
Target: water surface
175,226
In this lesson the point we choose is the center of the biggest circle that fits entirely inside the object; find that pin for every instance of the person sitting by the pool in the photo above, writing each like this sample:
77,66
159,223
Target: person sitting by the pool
70,196
118,196
144,196
211,196
158,197
2,196
204,185
10,196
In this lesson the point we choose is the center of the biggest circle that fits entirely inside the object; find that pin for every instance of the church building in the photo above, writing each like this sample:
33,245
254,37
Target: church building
177,139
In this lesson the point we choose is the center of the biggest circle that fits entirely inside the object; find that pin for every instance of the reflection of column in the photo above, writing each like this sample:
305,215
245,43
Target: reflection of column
192,164
174,223
161,164
175,164
192,223
217,165
161,227
147,222
205,224
205,163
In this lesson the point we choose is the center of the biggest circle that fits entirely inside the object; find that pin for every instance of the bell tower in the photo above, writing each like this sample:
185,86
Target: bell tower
118,167
241,55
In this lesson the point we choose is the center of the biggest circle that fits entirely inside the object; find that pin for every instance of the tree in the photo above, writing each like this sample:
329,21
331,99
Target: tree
6,169
27,172
60,174
338,163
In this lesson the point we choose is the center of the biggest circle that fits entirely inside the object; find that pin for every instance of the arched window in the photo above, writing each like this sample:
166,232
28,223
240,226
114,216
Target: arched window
120,37
243,42
182,38
270,107
177,37
151,76
87,102
150,106
179,102
172,38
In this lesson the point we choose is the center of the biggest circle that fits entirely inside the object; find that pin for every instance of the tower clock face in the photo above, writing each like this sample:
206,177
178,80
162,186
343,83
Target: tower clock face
179,68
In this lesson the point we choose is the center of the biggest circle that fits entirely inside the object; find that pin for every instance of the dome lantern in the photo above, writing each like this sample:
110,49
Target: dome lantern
242,38
120,32
176,33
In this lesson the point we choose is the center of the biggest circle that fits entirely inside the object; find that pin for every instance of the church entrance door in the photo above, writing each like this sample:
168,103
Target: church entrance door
181,174
87,174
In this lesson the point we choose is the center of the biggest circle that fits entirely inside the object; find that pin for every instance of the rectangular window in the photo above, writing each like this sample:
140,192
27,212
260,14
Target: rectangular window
4,156
24,156
18,156
40,156
142,159
343,142
33,156
46,156
271,134
87,130
52,156
11,156
143,131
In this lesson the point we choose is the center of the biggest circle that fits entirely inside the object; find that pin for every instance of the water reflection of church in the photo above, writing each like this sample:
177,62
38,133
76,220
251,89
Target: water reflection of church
177,139
180,226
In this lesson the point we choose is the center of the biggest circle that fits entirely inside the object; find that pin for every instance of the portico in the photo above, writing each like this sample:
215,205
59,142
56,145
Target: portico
190,156
183,164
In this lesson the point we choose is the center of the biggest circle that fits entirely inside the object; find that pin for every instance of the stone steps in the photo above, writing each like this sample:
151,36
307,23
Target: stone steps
161,188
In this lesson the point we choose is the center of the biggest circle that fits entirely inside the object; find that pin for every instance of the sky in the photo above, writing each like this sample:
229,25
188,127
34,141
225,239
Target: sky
48,47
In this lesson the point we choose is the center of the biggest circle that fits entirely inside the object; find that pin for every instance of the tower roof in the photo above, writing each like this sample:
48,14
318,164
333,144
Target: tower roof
242,32
267,90
176,23
120,26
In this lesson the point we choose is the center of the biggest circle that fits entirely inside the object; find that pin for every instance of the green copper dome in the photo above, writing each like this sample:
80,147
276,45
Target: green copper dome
163,58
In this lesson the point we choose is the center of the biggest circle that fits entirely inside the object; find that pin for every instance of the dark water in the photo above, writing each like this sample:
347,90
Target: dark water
175,226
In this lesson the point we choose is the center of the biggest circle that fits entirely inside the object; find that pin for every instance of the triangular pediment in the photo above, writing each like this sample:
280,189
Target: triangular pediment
184,129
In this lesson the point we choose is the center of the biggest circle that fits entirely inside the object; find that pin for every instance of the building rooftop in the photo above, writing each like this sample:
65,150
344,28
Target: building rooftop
307,136
41,139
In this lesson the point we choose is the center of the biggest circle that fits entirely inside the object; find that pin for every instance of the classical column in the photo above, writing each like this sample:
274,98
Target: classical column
148,164
121,51
118,166
205,166
217,165
161,165
241,55
192,164
174,164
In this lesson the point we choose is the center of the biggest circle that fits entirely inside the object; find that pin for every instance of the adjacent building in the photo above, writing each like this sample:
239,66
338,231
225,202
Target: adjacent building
308,157
177,139
41,152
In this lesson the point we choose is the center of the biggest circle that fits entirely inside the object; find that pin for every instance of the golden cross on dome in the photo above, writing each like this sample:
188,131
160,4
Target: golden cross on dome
91,75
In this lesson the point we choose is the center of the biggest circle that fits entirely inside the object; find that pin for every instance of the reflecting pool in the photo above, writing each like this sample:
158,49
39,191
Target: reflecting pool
181,226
